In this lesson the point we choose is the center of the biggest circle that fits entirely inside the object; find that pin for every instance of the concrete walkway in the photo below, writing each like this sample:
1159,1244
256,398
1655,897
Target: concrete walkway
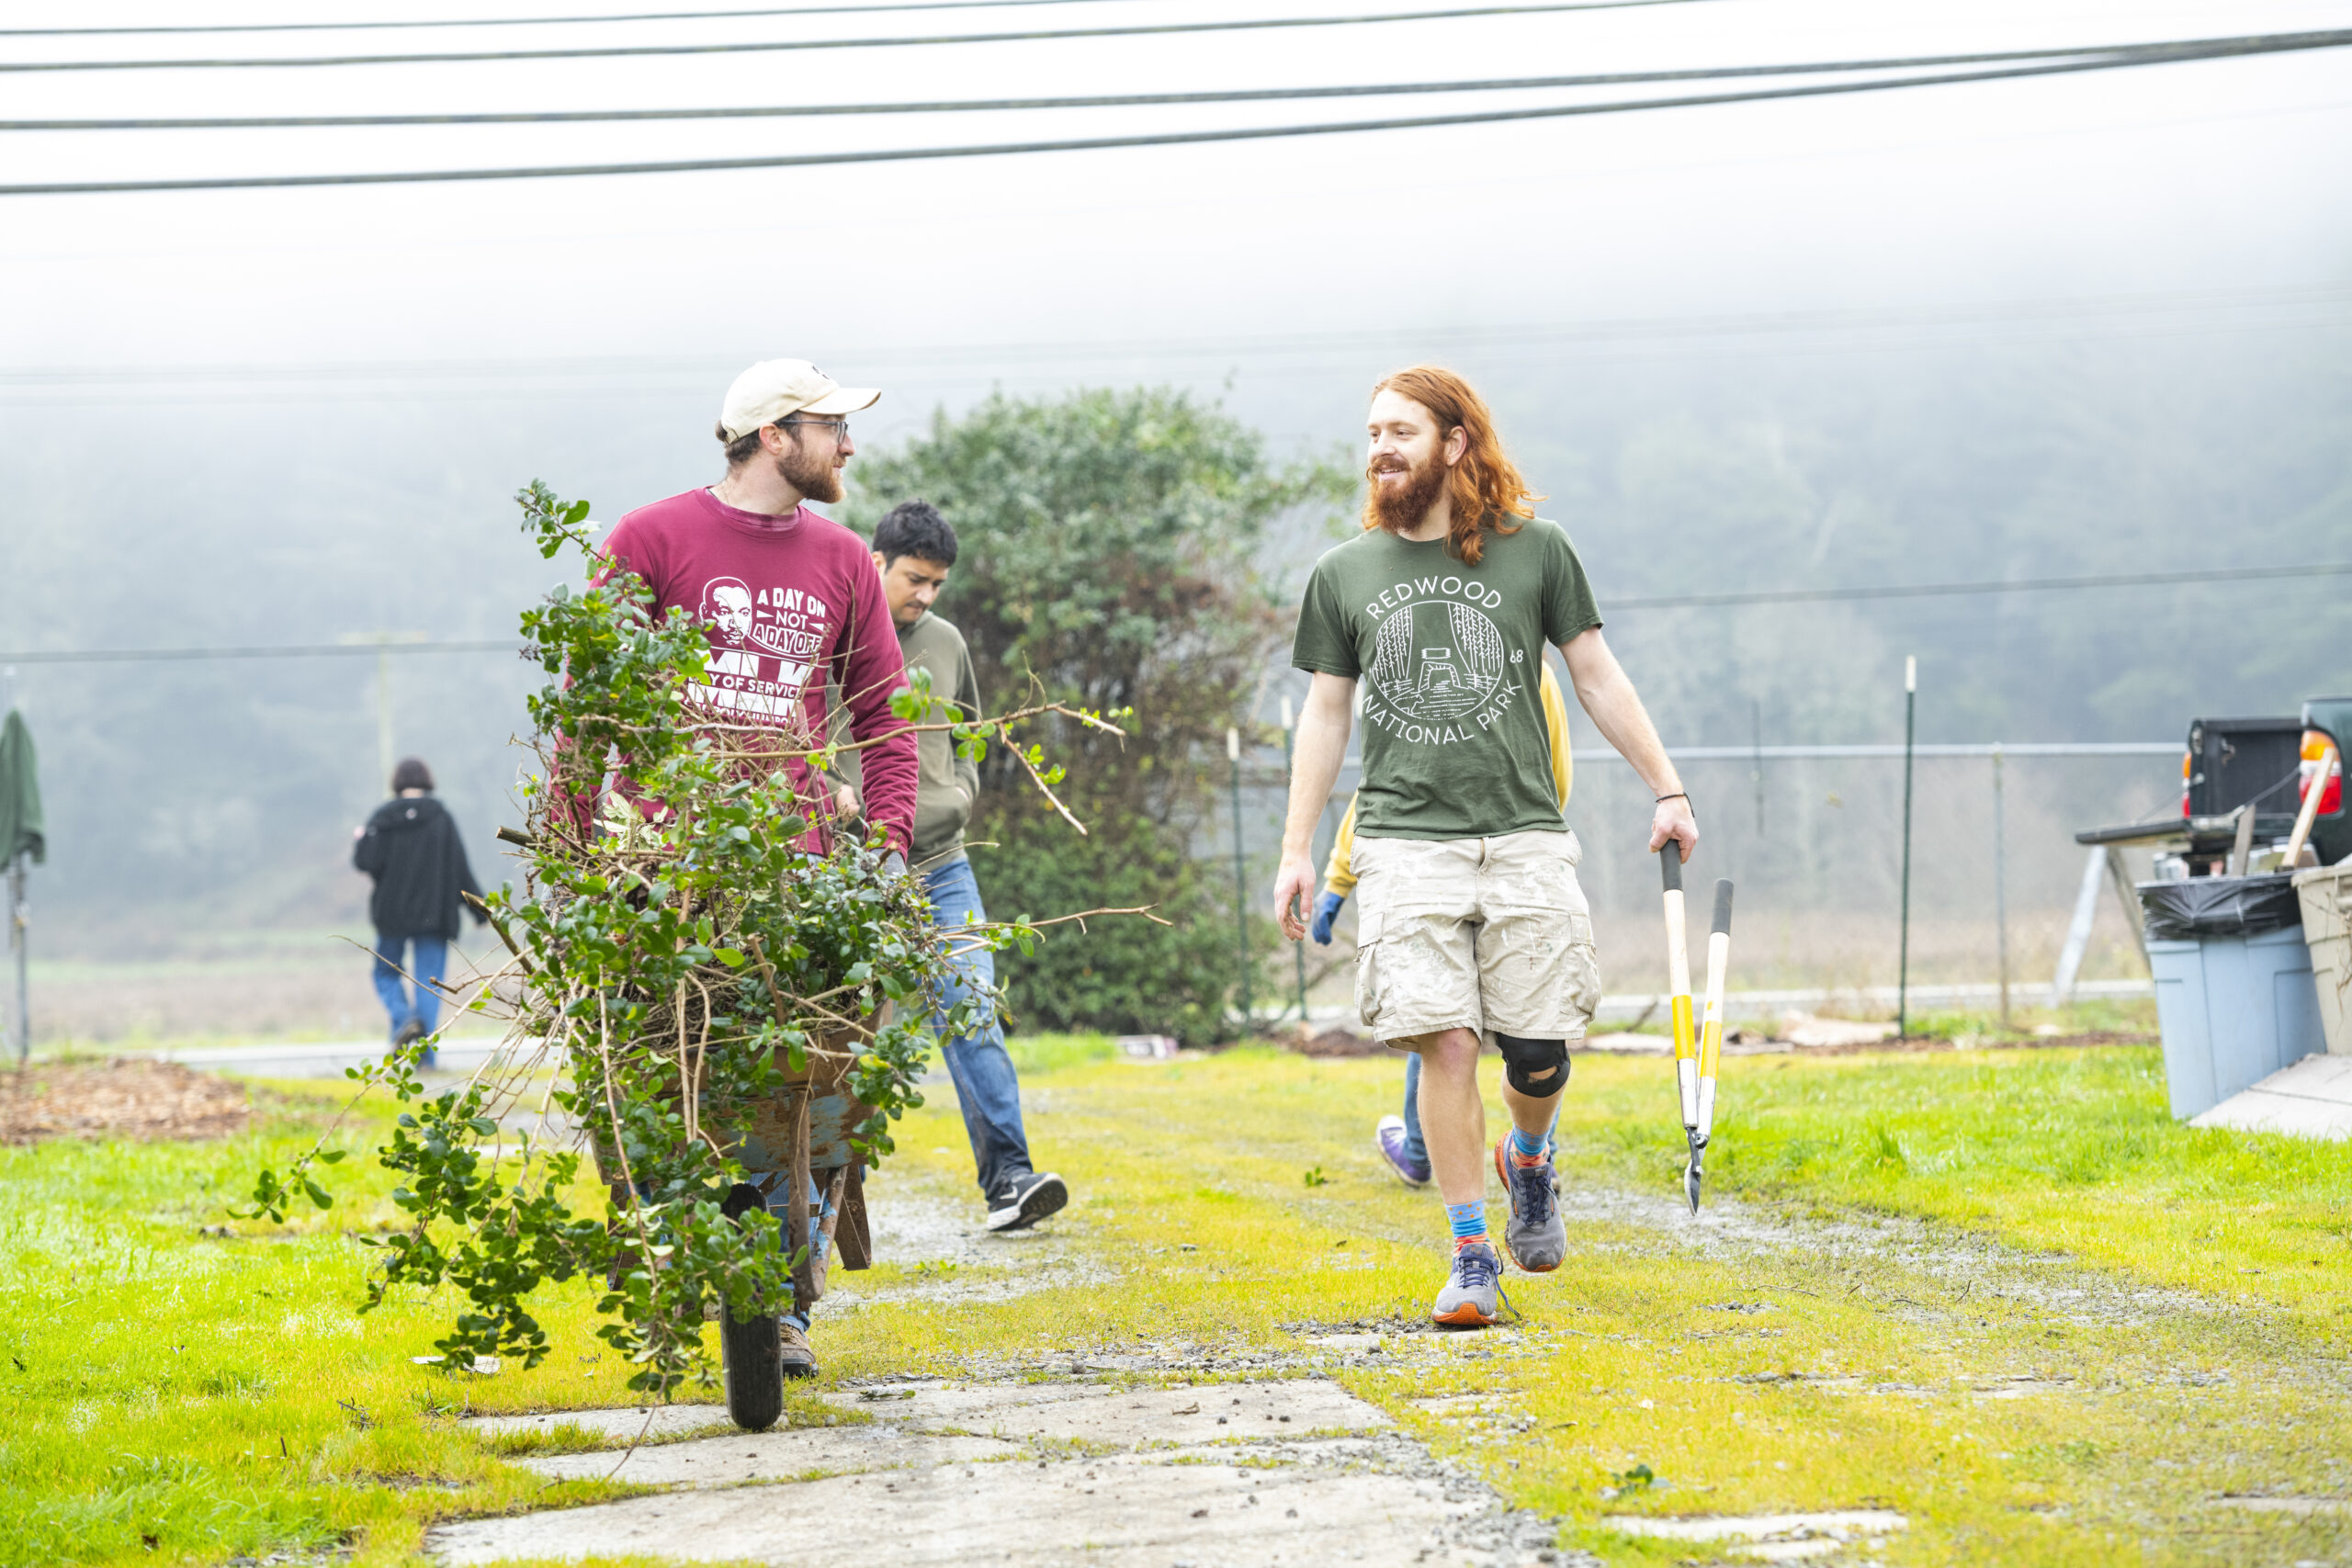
2310,1099
1296,1471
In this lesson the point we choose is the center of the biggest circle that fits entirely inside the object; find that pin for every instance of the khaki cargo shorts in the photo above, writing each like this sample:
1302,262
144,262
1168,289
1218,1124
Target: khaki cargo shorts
1486,934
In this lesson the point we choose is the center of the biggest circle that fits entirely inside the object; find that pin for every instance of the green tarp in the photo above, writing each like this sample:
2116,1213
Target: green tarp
20,829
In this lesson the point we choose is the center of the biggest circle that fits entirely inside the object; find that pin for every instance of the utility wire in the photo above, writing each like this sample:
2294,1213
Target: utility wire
541,21
280,650
1130,100
1255,23
1690,600
637,367
2154,56
1954,590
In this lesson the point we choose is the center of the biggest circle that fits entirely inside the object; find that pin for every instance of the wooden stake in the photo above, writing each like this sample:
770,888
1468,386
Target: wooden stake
2325,771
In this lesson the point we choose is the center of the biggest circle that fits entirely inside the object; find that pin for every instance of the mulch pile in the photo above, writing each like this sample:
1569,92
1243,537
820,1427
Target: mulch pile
1339,1043
126,1098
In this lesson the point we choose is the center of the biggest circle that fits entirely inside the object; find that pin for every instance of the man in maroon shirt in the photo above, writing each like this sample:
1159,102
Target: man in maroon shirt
790,597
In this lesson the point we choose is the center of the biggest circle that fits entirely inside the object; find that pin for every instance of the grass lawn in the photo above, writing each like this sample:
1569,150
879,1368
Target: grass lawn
168,1396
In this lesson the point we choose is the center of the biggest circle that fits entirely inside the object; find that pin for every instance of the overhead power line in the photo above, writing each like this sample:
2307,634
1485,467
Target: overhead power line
1675,602
2135,56
771,46
277,650
1958,590
1121,100
409,24
637,369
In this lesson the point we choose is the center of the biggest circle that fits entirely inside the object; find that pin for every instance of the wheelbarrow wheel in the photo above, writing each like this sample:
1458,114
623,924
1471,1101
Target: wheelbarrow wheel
749,1350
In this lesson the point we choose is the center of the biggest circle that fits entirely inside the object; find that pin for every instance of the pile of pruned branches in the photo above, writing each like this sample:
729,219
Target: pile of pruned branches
683,945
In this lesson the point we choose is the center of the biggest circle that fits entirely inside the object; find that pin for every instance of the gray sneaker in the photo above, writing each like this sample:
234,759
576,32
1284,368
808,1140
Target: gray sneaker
1468,1299
1537,1237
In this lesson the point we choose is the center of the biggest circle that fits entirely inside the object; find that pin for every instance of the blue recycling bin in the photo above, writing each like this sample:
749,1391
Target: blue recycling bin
2235,995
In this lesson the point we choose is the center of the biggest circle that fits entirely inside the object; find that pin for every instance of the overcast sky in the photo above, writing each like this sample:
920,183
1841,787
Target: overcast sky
935,279
279,416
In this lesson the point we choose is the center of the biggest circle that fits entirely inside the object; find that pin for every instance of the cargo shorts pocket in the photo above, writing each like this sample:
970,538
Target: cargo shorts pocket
1368,933
1584,972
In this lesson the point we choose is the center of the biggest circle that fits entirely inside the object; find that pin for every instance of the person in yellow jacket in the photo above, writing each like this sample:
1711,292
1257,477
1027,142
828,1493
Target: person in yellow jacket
1399,1138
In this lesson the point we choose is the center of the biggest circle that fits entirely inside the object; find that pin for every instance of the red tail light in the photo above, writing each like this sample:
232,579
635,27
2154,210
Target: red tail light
2331,796
2185,757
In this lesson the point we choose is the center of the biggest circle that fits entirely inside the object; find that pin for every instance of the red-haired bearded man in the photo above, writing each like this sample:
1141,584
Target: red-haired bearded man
1471,924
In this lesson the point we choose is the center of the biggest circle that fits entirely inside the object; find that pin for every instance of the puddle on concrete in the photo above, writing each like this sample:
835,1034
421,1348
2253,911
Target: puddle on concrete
2024,1386
1773,1538
2301,1505
622,1426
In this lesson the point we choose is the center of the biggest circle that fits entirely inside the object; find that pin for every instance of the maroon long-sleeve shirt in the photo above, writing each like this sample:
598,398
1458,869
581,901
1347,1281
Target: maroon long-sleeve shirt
789,601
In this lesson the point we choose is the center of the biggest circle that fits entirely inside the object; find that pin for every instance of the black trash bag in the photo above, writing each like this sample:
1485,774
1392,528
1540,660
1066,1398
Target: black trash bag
2220,906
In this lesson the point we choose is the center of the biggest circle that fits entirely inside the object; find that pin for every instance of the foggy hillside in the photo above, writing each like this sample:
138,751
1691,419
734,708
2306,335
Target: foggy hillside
194,805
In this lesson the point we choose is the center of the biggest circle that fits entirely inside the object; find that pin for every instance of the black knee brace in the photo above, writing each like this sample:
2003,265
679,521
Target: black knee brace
1523,1059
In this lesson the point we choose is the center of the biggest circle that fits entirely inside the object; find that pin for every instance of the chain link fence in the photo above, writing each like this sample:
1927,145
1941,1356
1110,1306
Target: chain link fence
1812,838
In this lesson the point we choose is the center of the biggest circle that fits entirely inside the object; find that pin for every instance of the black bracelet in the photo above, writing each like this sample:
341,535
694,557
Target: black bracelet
1678,795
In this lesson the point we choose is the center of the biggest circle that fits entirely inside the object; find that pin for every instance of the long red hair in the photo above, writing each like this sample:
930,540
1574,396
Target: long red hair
1486,486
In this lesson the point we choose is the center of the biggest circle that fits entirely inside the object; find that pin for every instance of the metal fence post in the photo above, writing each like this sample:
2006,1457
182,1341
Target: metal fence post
1756,774
2000,885
1240,889
20,935
1910,734
1299,949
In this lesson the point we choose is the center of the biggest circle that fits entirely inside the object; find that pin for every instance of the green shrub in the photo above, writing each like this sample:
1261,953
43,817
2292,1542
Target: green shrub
1107,542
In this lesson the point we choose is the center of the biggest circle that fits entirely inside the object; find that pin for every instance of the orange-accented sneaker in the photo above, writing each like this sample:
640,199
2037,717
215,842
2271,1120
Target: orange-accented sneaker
1536,1235
1468,1299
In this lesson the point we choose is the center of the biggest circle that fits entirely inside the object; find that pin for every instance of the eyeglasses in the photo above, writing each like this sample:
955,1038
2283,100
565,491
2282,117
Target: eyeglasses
840,428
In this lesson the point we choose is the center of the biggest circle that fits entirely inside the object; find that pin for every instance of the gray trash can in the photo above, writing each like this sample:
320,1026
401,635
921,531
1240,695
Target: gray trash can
2326,895
2234,998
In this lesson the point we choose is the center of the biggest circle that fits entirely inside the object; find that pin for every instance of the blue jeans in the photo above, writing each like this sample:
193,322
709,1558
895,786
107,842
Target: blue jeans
985,1082
1415,1150
430,954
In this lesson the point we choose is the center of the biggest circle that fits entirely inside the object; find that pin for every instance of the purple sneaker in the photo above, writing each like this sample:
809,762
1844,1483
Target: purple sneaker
1389,1139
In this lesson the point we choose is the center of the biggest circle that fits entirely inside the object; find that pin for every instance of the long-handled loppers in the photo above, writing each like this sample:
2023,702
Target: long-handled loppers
1695,1057
1710,1042
1678,984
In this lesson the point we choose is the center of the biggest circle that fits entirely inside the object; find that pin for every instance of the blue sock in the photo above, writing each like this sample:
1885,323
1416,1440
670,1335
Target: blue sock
1468,1220
1528,1146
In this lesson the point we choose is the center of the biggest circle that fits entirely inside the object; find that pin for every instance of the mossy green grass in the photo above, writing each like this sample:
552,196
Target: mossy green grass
1934,1296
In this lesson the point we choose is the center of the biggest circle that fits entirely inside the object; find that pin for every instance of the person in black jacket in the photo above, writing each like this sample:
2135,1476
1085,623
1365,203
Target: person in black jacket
410,847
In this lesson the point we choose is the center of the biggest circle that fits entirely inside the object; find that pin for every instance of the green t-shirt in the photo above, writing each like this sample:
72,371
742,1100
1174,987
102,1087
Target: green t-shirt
1449,656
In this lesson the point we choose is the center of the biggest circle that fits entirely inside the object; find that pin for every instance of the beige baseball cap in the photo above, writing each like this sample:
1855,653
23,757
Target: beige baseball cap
775,387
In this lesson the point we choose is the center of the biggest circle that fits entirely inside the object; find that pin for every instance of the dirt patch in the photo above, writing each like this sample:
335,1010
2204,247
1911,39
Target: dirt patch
1336,1043
126,1098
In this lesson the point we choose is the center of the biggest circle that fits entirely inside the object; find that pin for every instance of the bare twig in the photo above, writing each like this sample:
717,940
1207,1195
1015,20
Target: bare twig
490,916
1039,780
1084,914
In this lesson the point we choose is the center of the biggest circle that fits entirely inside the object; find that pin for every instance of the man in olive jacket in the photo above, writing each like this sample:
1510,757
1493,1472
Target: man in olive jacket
914,547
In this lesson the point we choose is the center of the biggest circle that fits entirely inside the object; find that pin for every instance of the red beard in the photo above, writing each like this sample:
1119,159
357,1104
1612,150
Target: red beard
815,478
1400,508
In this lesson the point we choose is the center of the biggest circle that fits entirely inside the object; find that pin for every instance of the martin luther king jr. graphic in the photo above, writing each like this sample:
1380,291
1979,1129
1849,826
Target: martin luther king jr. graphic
726,604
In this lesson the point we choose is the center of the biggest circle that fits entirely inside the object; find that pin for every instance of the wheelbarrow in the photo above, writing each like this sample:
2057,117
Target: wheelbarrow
803,1170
